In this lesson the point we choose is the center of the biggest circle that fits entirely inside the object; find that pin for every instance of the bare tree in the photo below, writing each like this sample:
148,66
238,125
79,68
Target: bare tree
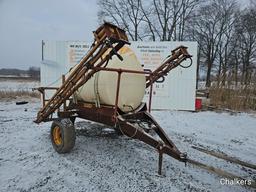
208,27
163,20
188,7
227,42
170,17
125,13
246,32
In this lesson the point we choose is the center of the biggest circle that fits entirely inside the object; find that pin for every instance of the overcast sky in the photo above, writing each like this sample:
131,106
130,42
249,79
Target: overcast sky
24,23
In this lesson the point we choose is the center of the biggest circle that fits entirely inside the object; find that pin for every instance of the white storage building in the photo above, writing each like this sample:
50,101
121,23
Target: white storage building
173,92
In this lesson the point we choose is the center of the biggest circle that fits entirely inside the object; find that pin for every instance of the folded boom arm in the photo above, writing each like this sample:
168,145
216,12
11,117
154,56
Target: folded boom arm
178,55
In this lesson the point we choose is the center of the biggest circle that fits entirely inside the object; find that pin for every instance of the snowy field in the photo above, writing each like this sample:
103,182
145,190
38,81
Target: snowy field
17,85
105,161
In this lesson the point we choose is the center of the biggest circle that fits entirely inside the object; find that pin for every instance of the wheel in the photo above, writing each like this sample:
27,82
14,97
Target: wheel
63,135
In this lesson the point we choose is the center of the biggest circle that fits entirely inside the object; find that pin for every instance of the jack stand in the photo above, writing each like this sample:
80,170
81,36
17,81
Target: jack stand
160,161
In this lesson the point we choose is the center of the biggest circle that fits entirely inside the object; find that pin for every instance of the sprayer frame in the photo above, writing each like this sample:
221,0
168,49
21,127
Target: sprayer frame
109,39
111,115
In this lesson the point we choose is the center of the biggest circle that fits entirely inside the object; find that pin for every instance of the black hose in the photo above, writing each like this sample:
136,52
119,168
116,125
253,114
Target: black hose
187,65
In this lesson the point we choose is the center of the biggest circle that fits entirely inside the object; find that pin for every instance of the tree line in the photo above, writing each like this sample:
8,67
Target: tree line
225,32
32,72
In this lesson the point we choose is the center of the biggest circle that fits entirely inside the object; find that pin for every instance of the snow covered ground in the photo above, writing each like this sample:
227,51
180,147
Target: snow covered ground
104,161
17,85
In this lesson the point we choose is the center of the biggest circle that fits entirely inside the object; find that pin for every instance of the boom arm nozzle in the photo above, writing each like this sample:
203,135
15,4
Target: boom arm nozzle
178,55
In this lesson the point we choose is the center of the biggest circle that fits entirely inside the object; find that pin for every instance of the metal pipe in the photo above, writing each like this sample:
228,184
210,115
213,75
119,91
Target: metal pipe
122,70
117,95
150,97
160,163
64,103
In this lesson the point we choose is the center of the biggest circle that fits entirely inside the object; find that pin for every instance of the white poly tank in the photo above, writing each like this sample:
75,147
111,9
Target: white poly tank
101,88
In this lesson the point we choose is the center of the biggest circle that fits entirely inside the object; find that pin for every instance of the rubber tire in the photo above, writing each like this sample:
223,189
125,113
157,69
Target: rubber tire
68,135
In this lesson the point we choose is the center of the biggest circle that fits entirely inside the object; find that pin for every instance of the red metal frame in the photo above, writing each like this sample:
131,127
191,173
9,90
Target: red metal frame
130,124
112,116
